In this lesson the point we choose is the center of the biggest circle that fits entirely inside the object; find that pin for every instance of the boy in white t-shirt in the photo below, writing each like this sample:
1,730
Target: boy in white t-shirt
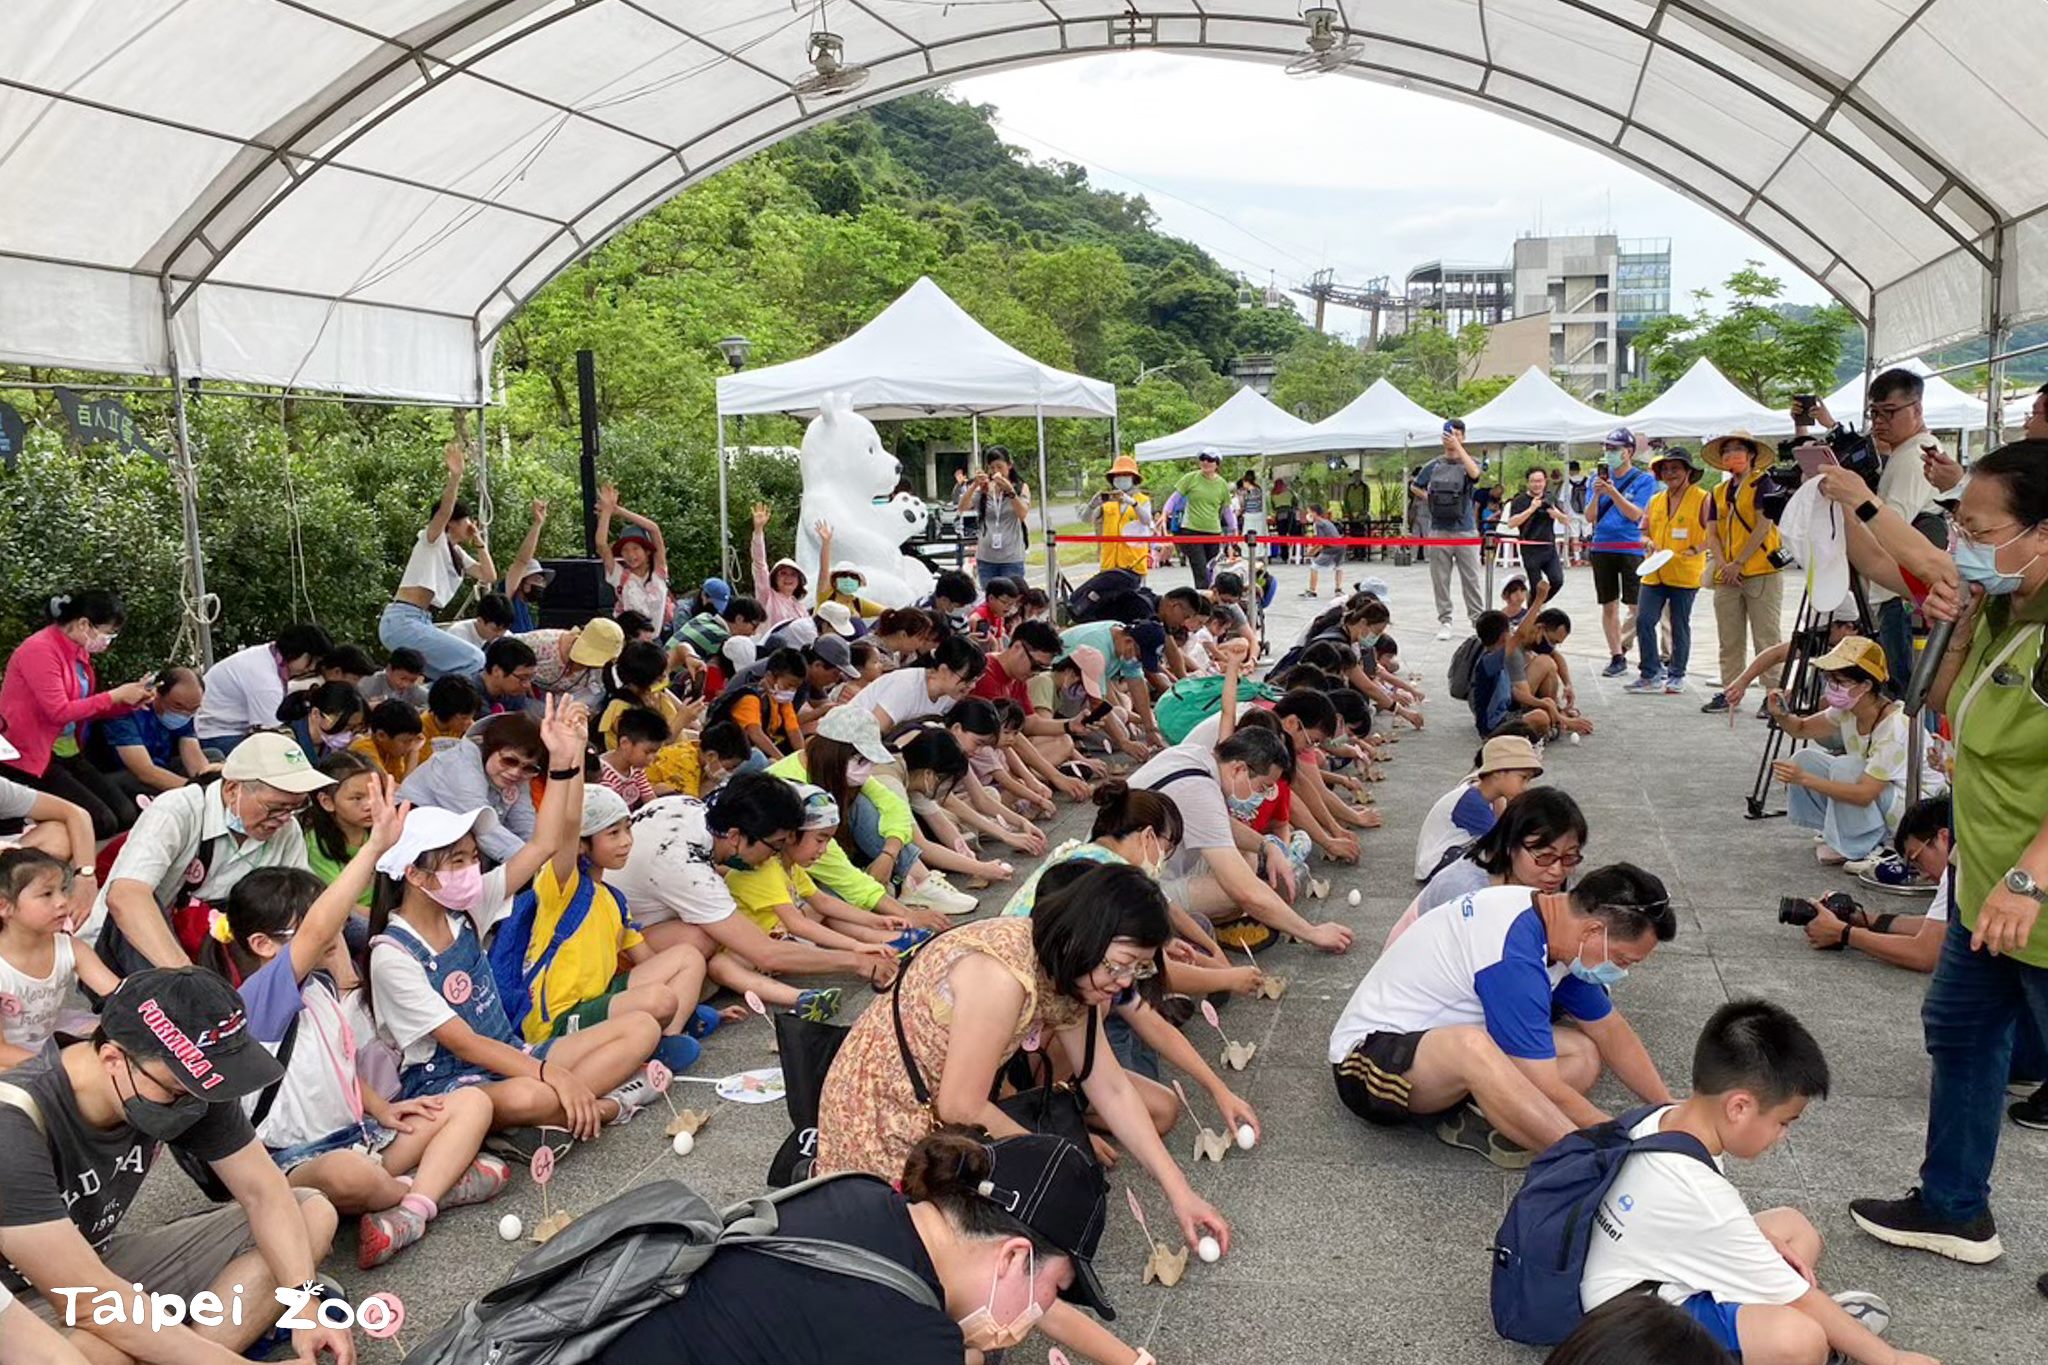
1675,1222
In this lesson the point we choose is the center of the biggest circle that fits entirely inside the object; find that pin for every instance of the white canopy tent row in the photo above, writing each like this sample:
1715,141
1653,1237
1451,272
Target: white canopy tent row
1701,404
1247,423
1535,408
1381,418
354,196
1944,406
922,356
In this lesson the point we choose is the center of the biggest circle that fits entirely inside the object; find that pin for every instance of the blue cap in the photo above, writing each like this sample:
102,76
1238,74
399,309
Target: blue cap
718,593
1151,638
1620,436
1454,424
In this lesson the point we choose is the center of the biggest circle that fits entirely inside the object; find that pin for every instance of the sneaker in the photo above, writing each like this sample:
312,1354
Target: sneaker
1717,705
1857,867
2021,1089
1827,857
1466,1127
519,1144
1872,1312
1894,871
638,1093
1645,687
384,1234
936,893
908,942
484,1181
704,1022
1306,592
819,1006
1910,1223
1674,685
1443,632
1616,667
2031,1112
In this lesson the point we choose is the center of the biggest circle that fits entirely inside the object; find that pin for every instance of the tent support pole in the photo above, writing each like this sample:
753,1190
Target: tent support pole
1997,338
483,445
724,514
974,438
1052,559
196,611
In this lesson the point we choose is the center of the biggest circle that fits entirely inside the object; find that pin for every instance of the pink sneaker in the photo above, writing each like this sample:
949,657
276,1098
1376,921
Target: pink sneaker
385,1233
484,1181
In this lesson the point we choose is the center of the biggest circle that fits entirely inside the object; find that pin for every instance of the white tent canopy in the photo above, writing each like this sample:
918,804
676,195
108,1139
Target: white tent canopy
1702,404
356,195
1535,408
1381,418
1944,406
1246,424
922,356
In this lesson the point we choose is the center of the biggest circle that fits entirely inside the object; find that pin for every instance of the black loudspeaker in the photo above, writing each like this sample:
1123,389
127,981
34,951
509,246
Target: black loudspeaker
575,594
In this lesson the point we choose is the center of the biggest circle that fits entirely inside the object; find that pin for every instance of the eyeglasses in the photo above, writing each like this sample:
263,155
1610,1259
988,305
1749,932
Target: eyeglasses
522,767
1039,663
1130,973
1546,858
273,809
1891,410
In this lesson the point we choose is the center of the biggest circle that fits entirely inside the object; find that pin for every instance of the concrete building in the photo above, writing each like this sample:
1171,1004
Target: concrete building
1599,290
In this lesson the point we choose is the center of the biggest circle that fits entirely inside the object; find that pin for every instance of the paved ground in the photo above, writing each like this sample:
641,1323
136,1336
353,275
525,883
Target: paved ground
1357,1244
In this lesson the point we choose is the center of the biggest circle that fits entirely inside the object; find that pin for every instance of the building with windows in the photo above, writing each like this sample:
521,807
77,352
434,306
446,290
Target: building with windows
1599,290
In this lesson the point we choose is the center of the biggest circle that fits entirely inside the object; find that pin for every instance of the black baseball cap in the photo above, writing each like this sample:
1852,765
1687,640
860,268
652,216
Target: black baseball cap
193,1020
1151,638
1055,1189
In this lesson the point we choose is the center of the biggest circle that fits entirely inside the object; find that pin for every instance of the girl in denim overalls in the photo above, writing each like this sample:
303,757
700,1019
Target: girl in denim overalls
435,998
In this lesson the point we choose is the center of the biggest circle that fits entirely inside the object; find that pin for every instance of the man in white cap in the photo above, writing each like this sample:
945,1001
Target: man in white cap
190,848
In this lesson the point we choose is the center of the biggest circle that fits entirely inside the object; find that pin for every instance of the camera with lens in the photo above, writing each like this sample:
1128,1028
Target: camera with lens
1800,913
1850,448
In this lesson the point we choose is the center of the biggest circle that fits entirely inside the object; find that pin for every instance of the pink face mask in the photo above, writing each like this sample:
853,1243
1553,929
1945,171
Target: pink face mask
858,771
462,889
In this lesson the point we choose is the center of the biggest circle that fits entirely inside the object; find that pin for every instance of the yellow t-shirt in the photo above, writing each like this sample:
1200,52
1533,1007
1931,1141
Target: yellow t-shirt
680,766
584,965
759,890
664,701
1684,533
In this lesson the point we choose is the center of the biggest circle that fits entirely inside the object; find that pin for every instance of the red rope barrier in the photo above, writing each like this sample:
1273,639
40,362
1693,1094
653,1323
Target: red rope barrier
1413,541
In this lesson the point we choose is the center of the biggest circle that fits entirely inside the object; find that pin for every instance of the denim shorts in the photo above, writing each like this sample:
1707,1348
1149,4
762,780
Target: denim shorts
368,1137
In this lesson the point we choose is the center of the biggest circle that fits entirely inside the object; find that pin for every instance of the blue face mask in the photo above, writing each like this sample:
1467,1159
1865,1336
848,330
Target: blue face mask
1978,563
175,720
1244,807
1606,975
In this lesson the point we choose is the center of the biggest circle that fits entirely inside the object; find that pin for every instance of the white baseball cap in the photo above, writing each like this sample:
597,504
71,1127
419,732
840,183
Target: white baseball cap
837,615
602,808
275,760
426,829
852,725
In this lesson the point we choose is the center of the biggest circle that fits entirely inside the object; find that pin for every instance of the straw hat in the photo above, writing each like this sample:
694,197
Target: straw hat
1711,451
1125,464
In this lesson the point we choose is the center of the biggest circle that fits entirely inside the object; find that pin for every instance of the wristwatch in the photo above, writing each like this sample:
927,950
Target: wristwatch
2021,882
1867,511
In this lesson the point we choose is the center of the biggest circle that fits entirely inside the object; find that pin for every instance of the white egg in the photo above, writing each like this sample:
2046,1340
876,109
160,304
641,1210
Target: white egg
1209,1250
1572,738
509,1228
1354,898
684,1144
1247,1137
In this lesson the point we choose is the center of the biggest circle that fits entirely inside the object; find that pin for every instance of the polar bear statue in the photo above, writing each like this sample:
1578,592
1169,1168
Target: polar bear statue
850,484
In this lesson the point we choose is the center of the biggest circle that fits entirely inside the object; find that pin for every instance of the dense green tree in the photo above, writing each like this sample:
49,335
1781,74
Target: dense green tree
1765,351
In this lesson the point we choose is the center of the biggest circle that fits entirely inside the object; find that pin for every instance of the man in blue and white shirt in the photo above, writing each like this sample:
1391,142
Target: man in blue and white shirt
1455,1020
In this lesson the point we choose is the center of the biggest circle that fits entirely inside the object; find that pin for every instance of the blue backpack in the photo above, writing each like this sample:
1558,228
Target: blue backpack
1539,1255
508,945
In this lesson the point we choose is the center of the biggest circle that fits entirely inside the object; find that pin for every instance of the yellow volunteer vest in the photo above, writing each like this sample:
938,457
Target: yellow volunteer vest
1732,527
1133,555
1684,533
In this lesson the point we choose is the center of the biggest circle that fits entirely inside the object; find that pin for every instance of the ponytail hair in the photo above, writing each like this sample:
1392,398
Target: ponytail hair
1122,810
271,901
947,1170
337,700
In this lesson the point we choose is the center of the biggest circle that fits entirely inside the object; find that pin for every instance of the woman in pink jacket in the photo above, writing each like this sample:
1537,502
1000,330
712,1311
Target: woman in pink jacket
48,698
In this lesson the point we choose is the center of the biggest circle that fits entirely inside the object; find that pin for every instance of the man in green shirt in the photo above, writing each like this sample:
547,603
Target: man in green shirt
1357,508
1203,493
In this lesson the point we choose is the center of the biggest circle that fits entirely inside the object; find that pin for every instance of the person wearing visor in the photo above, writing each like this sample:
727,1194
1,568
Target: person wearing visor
996,1234
170,1063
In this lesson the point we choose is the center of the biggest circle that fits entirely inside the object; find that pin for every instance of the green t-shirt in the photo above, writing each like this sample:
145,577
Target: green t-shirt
2001,729
1354,500
1282,499
328,869
1205,494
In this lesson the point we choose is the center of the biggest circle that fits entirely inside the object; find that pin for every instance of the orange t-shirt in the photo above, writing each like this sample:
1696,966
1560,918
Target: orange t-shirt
786,729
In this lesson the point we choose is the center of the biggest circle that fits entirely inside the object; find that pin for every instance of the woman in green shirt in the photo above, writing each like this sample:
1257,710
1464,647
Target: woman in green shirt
1993,970
337,823
1203,493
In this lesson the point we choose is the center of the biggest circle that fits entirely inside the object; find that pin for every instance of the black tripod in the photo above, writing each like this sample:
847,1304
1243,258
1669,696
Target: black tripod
1800,682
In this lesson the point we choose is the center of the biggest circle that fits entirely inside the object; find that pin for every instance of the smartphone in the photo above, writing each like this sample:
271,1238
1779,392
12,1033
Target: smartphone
1803,405
1814,458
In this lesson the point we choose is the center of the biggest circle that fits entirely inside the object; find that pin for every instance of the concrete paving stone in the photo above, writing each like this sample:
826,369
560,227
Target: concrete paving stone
1327,1319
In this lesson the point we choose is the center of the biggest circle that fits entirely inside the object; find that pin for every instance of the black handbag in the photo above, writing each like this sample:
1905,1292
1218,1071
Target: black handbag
807,1050
1058,1109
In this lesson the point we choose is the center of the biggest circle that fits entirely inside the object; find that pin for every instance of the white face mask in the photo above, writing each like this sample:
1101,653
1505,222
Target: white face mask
984,1333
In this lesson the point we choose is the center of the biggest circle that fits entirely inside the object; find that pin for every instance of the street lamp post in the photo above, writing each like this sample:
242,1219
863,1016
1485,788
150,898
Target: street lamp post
735,349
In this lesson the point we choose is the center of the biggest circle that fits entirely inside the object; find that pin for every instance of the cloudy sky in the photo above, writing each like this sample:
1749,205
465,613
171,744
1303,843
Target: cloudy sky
1277,175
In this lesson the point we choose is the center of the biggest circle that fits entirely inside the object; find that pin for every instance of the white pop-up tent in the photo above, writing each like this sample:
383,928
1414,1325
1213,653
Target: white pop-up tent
1535,408
1944,406
1702,404
1381,418
1247,424
922,356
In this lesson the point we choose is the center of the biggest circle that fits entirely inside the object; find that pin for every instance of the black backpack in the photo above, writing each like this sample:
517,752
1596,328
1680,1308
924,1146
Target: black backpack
1462,664
722,705
1113,595
1447,486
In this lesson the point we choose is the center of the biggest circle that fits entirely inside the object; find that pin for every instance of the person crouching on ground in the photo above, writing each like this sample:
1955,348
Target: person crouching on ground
1672,1220
1453,1024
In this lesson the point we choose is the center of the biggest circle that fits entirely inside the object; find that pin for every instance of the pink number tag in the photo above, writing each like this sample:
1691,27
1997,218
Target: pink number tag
381,1316
543,1166
1035,1039
754,1003
659,1077
1209,1013
195,872
455,990
10,1006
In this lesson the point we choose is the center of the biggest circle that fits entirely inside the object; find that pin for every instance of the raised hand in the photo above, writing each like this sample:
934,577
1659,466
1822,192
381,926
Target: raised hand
540,510
565,730
761,514
823,528
387,814
455,457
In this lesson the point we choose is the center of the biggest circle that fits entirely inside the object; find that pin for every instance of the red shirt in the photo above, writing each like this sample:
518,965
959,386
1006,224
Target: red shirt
991,627
996,684
1278,807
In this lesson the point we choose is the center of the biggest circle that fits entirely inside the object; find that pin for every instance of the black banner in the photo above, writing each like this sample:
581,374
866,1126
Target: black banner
105,419
13,436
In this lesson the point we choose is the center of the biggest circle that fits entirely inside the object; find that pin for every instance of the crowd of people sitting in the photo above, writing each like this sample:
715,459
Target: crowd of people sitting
356,936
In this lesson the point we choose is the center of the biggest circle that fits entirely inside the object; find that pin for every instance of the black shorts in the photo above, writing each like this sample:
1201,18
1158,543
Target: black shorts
1614,576
1372,1080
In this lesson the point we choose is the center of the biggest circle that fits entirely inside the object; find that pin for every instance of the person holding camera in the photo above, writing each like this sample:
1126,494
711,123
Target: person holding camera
1850,799
1619,486
1898,429
1743,555
1444,489
1122,509
1001,502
